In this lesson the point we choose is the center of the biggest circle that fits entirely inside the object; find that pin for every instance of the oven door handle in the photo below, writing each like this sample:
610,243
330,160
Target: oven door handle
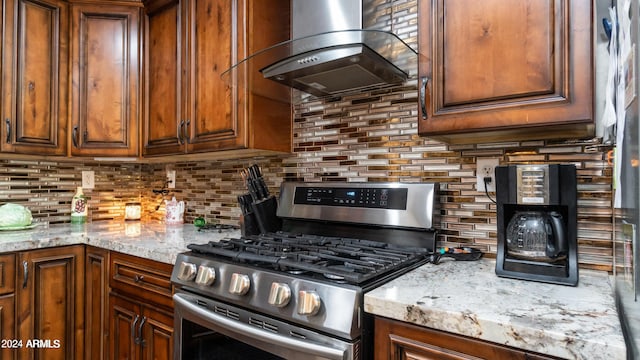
234,328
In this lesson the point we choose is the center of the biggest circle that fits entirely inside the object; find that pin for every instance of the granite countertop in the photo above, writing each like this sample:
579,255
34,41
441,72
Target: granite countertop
467,298
151,240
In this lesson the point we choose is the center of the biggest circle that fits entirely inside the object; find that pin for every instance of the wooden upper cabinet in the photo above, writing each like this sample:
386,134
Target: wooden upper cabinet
105,80
211,122
263,103
34,77
494,70
164,118
189,108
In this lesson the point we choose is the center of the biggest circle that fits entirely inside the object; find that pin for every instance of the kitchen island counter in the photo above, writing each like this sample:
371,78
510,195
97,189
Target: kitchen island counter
150,240
467,298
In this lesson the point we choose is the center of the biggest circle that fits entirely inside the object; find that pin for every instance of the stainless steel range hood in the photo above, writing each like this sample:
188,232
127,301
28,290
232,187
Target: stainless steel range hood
337,47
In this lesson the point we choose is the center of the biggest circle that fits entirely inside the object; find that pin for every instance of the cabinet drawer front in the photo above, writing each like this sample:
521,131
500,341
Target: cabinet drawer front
141,278
7,273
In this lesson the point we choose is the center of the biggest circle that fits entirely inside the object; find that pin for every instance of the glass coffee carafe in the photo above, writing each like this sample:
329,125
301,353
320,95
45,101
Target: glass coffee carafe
536,236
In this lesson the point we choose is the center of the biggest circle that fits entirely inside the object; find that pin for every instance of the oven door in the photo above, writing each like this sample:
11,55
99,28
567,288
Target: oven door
208,329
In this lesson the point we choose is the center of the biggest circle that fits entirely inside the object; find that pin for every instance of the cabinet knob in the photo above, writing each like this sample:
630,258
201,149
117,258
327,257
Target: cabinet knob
138,278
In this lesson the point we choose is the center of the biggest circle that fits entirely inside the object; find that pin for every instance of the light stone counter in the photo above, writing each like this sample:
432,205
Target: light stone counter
151,240
467,298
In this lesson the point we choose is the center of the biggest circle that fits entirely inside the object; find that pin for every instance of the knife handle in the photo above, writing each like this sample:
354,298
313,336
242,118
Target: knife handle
251,186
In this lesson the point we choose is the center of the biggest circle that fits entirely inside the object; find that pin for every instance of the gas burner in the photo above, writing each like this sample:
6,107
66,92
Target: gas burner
350,260
333,277
295,272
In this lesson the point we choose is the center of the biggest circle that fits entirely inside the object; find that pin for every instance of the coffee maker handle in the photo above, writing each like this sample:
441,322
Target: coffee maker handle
559,247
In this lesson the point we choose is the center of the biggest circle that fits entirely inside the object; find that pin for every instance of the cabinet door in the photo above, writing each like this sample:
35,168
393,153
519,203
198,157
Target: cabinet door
97,303
125,319
7,303
263,104
494,71
34,77
50,302
7,325
7,273
105,80
211,123
398,340
157,334
164,131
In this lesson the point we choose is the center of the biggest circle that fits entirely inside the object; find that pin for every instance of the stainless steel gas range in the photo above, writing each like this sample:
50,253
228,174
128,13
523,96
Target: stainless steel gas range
298,293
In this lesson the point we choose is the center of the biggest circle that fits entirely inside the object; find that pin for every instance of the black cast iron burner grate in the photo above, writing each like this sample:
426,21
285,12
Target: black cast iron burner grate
336,258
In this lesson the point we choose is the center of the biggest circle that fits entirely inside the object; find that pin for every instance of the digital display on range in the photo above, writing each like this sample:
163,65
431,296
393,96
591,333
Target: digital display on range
379,198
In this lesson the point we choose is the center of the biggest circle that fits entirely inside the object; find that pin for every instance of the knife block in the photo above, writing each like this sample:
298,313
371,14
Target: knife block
249,225
265,214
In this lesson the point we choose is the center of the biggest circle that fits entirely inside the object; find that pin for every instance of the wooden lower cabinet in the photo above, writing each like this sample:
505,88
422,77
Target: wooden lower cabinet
50,303
83,302
7,304
7,325
140,308
124,316
157,334
97,303
397,340
141,331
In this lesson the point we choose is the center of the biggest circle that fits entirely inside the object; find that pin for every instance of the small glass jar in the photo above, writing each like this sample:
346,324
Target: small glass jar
132,211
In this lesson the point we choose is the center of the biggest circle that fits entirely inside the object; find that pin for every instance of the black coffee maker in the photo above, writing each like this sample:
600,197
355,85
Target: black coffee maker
537,224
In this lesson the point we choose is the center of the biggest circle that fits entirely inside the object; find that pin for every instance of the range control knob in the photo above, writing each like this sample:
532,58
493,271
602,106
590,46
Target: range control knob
206,275
309,302
186,271
279,295
239,284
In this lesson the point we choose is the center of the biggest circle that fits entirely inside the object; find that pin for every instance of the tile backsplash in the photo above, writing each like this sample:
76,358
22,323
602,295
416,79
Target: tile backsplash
365,147
46,187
